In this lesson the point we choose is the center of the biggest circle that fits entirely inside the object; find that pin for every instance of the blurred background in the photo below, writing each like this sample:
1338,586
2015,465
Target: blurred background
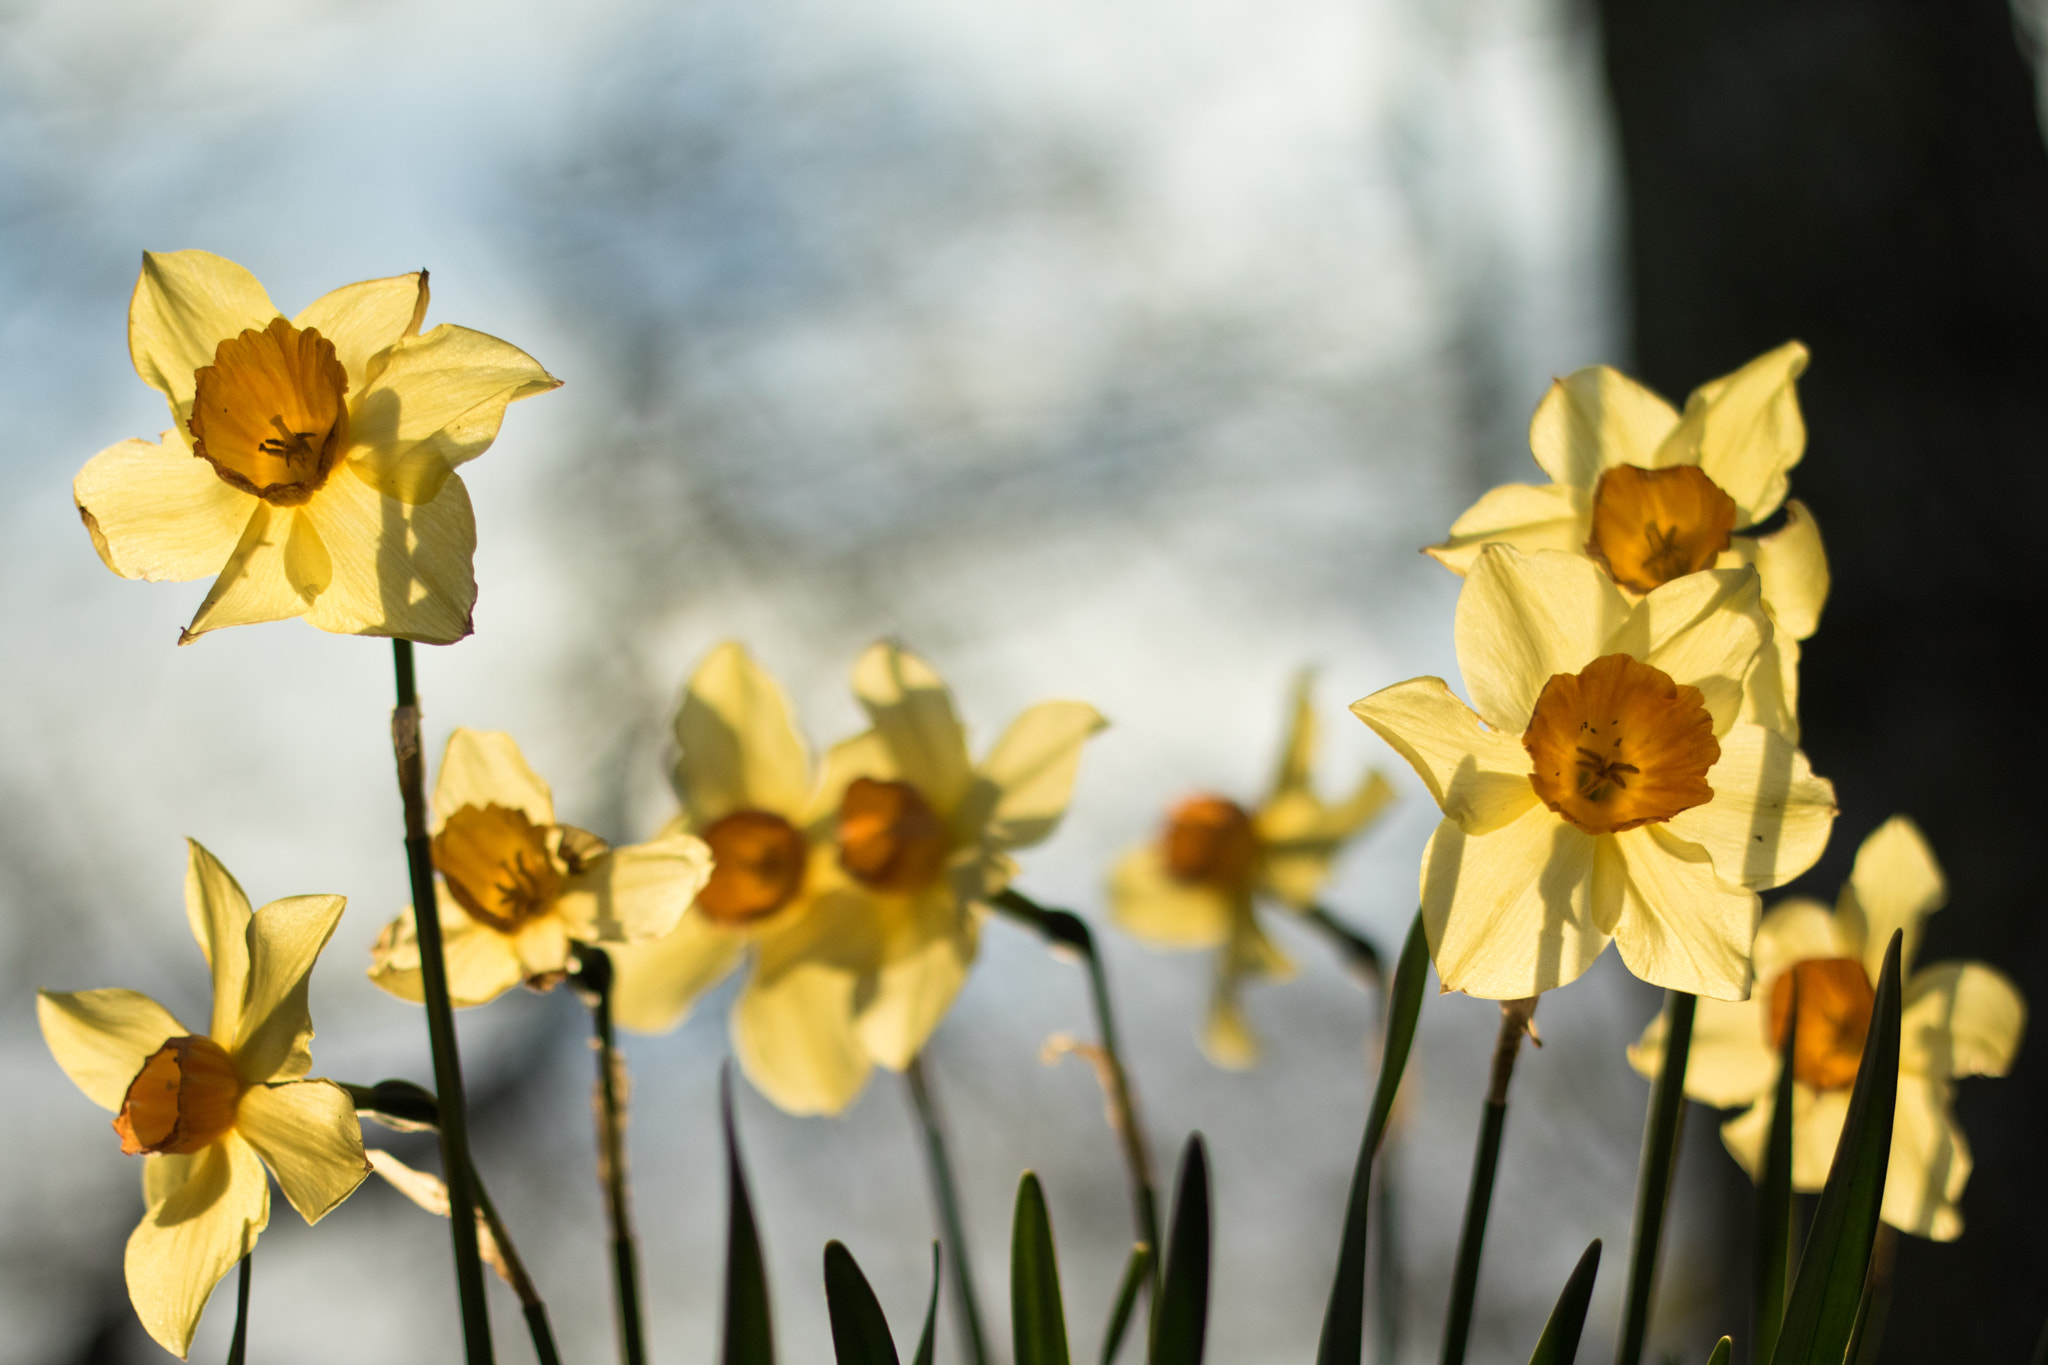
1125,352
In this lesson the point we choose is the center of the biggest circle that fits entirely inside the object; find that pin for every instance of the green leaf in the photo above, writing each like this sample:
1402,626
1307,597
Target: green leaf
860,1333
1559,1344
1182,1319
749,1339
1773,1254
1820,1318
1038,1324
1135,1271
1659,1159
931,1315
1724,1351
1343,1341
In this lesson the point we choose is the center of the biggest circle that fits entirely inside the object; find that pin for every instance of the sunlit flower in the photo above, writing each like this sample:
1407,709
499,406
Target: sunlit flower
1607,786
310,462
1195,885
1959,1019
1650,494
517,890
208,1111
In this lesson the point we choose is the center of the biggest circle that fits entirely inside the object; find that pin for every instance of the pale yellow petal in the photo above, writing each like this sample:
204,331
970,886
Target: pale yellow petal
1960,1019
157,511
740,749
654,984
1227,1036
1745,432
1682,927
218,911
1295,770
865,755
637,893
1022,788
308,1133
1478,776
399,569
1747,1134
485,768
1793,565
1817,1120
1930,1163
193,1237
1529,517
1895,885
102,1038
1770,695
1729,1063
1594,419
540,946
436,403
1704,631
274,573
1799,930
1522,619
910,707
1770,816
1511,913
365,319
481,962
928,951
795,1039
273,1037
1150,903
1301,837
186,303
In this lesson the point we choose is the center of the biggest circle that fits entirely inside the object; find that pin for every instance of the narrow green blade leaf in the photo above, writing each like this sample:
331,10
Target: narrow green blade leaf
1559,1344
860,1333
1821,1315
1343,1341
749,1339
1037,1322
1724,1351
931,1315
1182,1320
1135,1271
1773,1256
1659,1160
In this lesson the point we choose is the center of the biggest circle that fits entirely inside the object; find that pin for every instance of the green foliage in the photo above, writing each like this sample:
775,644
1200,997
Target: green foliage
931,1316
1724,1351
1136,1269
1559,1344
1038,1324
1773,1256
749,1338
1182,1318
860,1333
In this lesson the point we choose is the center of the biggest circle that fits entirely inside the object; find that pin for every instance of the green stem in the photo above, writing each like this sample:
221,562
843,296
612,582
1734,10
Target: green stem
1659,1161
941,1167
1360,955
1386,1232
1514,1022
522,1284
594,980
454,1126
238,1345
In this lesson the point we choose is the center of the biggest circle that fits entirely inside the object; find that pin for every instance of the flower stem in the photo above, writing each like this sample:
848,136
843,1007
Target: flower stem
1514,1022
593,981
530,1302
1387,1232
454,1114
1360,955
941,1167
1659,1161
238,1345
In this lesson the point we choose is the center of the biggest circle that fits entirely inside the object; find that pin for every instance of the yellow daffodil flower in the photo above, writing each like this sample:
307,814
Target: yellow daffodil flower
1607,785
311,462
1959,1019
1650,495
1195,885
517,889
208,1111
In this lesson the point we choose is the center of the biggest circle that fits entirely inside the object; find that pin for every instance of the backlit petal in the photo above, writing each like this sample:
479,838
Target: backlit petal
1522,619
399,569
102,1038
1594,419
264,578
654,984
928,952
437,402
218,912
1511,913
157,511
1022,788
1895,885
1770,695
1729,1063
1704,630
1478,776
1150,903
187,1242
308,1133
485,768
1682,927
1745,430
740,749
1770,817
1227,1037
1530,517
1302,836
276,1028
795,1039
636,893
865,755
1793,565
482,964
1799,930
186,303
1817,1118
909,706
1960,1019
366,318
1930,1163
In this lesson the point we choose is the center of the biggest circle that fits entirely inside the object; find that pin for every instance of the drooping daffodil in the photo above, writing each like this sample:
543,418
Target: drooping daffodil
518,890
208,1111
1604,784
310,463
1196,885
1958,1019
1651,494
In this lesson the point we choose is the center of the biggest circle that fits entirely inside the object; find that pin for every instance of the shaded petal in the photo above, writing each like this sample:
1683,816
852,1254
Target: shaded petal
1746,1135
636,893
367,318
1227,1038
1895,885
1150,903
265,578
186,303
1522,619
1479,777
102,1038
795,1039
272,1039
1022,788
740,749
1817,1118
1770,695
1594,419
1301,837
1795,931
1960,1019
308,1133
1512,913
400,569
910,707
485,768
1729,1063
218,912
930,945
437,402
1530,517
1770,817
654,984
865,755
158,512
1793,565
482,963
541,947
1930,1163
192,1237
1745,431
1704,630
1682,927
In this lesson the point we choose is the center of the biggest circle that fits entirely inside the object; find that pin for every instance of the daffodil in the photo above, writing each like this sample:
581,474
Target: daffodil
1651,494
1196,884
207,1111
518,890
310,464
1959,1019
1605,783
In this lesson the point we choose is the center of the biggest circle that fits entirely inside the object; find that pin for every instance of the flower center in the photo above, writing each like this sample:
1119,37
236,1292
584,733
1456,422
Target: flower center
889,836
1653,525
757,866
496,863
1619,744
183,1099
268,412
1835,1001
1210,842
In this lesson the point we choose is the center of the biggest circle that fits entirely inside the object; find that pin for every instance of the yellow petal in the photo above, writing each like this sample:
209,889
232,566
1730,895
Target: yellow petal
218,912
186,303
1960,1019
740,749
795,1039
1523,619
1704,630
1682,927
308,1133
482,963
102,1038
541,947
1798,930
1227,1036
909,706
1745,432
655,983
437,403
1594,419
1817,1118
928,952
1478,776
1511,913
1770,695
1150,903
1023,786
1770,817
1793,565
1529,517
1302,837
485,768
865,755
194,1236
634,894
274,573
1930,1163
1895,885
156,511
365,319
1729,1063
272,1038
401,569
